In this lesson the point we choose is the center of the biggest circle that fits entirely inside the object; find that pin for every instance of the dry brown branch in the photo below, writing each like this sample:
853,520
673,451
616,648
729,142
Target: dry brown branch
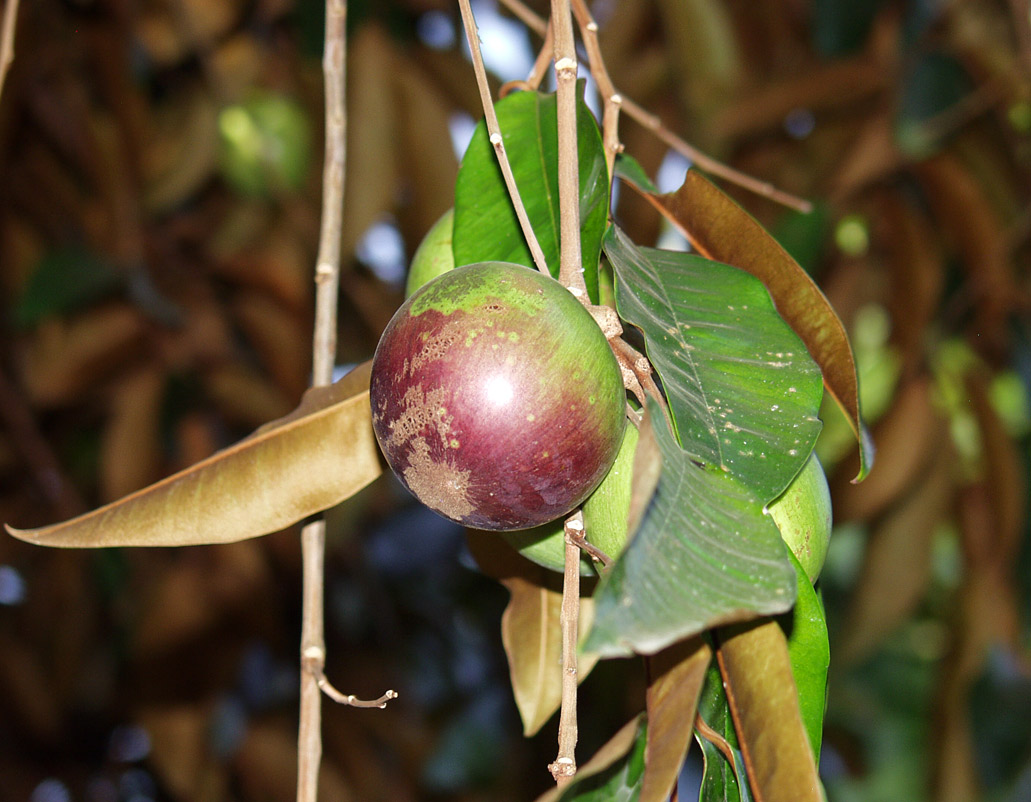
313,536
564,766
494,131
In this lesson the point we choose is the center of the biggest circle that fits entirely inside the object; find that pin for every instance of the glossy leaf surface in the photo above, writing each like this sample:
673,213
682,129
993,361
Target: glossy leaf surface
704,554
742,389
720,229
486,227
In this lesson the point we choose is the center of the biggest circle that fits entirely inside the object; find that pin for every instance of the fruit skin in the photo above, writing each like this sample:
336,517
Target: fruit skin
434,256
803,515
496,398
605,518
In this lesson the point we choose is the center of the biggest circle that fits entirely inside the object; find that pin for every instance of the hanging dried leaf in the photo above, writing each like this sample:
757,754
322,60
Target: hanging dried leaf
312,459
130,451
756,670
65,358
678,674
905,438
372,136
530,629
897,561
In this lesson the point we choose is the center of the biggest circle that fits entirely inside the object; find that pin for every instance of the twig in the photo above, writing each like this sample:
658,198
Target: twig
570,258
612,100
654,124
7,40
496,139
564,766
313,535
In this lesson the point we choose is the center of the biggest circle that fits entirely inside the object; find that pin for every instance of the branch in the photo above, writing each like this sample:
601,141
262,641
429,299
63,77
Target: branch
654,124
313,536
570,260
564,766
494,131
7,40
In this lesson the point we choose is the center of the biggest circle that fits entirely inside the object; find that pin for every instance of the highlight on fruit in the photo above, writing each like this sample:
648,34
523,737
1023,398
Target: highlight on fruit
495,397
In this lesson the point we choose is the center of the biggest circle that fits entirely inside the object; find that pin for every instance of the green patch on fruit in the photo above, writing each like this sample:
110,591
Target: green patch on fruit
803,516
467,291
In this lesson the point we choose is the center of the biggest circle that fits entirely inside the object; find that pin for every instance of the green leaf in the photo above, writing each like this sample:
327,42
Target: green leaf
704,554
320,454
742,389
809,651
614,774
628,169
718,228
723,779
65,279
486,227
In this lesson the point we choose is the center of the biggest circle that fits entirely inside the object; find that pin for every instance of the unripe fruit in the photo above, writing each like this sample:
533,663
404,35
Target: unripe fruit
496,398
803,515
605,518
434,255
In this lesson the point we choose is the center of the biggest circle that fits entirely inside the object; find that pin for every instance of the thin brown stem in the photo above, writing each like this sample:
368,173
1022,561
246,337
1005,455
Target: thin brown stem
564,766
654,124
327,283
612,100
7,40
593,551
496,139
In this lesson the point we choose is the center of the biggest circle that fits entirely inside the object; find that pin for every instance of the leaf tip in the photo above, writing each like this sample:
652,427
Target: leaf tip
867,452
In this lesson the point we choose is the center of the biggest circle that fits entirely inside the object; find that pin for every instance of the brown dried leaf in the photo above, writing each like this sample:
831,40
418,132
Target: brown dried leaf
827,86
428,154
266,765
244,395
763,700
869,158
179,754
170,32
312,459
530,628
1004,470
721,230
897,561
678,674
372,135
66,358
181,152
917,273
280,338
965,213
130,451
906,439
703,51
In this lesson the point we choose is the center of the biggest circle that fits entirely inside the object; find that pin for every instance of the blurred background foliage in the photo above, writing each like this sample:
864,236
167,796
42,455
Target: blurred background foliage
159,198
